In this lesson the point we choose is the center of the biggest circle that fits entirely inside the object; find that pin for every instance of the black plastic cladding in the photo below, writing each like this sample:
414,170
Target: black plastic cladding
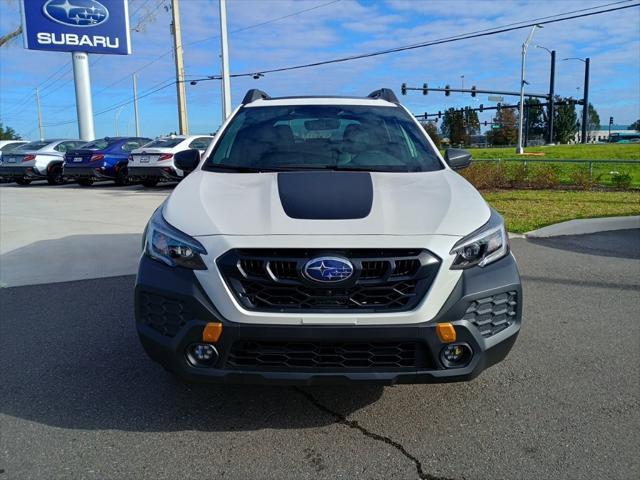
384,280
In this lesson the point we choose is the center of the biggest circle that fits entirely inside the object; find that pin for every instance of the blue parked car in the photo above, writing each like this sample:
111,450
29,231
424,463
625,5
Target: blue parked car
102,159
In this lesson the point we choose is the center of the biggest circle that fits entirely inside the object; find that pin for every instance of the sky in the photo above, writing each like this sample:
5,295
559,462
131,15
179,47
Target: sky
261,39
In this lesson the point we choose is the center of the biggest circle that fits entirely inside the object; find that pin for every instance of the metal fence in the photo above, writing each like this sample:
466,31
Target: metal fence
591,163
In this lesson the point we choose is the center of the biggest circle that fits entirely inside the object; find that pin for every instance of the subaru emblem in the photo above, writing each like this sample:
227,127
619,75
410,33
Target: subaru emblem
76,13
328,269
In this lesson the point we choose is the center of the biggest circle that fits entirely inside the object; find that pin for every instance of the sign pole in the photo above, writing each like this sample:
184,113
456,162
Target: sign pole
224,50
84,104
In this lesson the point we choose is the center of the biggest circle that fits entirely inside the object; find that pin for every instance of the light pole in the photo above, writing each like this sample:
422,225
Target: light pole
552,93
525,46
585,96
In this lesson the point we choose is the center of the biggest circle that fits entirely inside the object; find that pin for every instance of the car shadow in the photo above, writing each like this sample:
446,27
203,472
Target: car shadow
71,359
618,243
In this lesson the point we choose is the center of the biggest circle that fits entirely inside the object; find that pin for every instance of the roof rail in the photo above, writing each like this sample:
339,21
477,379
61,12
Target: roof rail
253,95
384,94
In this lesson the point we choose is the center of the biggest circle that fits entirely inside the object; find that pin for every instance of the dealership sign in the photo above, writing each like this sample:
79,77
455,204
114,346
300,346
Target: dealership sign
91,26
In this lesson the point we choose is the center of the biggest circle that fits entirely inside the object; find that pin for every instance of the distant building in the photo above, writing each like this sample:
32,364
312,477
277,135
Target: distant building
602,135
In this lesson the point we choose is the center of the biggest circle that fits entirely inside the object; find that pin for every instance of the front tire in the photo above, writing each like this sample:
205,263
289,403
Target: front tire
55,177
85,182
122,176
23,181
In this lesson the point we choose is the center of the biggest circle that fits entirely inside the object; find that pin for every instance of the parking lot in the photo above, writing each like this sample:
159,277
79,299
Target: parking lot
80,399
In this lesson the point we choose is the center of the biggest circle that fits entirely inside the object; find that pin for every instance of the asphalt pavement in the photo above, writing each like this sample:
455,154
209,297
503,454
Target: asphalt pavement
79,398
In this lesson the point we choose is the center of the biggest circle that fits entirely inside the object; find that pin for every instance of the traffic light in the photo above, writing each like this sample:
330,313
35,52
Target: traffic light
425,88
447,90
403,89
498,107
440,115
481,108
473,91
610,120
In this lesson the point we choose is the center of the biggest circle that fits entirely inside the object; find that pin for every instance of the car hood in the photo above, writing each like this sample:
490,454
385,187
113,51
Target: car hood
426,203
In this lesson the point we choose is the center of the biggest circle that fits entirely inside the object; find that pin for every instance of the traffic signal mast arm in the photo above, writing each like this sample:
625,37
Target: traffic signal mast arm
472,91
499,106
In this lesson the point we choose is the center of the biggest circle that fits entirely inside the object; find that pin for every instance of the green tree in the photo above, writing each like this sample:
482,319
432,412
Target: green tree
635,126
432,131
505,131
453,127
534,121
593,120
8,133
565,122
458,125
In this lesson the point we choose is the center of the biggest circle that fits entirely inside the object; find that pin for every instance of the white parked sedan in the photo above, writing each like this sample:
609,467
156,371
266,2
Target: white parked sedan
153,162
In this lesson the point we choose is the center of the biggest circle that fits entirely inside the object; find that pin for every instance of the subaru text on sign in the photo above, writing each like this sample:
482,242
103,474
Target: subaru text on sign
89,26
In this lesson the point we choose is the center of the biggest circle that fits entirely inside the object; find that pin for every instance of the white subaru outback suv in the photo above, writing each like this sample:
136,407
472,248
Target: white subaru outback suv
324,239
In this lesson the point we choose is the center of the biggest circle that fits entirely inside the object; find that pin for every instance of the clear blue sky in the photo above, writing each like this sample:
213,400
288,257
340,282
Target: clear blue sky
340,28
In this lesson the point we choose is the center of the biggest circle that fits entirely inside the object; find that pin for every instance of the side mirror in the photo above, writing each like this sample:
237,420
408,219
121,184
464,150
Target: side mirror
187,160
457,158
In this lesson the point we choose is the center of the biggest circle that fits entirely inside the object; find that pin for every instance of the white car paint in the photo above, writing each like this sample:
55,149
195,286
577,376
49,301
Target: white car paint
431,210
149,156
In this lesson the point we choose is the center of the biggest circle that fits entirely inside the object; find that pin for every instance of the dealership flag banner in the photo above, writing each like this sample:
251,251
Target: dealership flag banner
89,26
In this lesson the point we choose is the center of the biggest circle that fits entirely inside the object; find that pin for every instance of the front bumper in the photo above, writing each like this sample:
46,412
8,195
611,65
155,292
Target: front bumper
172,309
162,173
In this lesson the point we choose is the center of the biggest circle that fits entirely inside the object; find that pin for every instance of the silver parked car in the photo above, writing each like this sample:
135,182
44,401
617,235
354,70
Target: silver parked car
7,145
39,160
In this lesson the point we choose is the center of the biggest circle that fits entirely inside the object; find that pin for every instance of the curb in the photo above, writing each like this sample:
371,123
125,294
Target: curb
586,225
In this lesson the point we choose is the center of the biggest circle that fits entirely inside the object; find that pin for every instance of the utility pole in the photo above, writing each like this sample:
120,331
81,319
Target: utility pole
84,104
177,53
585,105
135,104
552,93
39,114
525,46
224,50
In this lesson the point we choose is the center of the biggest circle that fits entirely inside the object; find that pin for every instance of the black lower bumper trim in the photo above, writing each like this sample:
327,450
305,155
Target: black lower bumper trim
185,310
153,172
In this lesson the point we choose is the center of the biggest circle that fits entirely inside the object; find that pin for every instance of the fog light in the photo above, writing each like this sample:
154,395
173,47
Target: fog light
456,355
202,354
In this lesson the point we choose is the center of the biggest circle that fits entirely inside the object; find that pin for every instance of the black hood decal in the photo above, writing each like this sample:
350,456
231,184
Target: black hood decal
332,195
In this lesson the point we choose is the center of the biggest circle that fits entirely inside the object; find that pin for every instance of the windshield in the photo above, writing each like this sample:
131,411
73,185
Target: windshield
31,146
341,137
164,143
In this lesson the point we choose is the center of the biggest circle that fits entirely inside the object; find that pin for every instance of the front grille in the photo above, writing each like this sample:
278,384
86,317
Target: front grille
327,355
164,315
383,280
493,314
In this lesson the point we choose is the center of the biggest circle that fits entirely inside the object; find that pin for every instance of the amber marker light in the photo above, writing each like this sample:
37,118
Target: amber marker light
212,332
446,332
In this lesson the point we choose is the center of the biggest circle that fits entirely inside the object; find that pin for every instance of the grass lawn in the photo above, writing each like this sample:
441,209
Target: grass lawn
526,210
612,151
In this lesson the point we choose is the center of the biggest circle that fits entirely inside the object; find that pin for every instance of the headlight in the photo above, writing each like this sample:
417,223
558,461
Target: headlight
169,245
482,247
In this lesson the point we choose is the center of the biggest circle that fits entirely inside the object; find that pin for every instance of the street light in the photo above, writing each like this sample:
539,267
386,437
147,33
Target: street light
552,100
525,46
585,95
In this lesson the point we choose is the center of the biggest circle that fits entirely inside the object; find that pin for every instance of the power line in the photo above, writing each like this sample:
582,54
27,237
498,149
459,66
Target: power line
468,36
265,22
